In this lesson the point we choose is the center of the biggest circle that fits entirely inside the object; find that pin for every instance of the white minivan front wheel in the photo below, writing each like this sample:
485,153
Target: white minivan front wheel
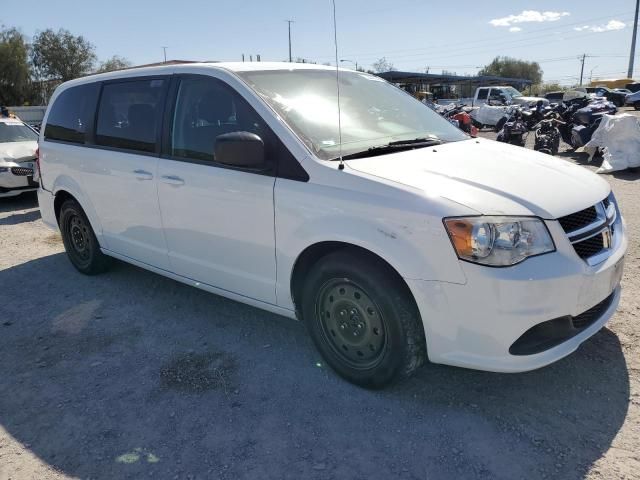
362,319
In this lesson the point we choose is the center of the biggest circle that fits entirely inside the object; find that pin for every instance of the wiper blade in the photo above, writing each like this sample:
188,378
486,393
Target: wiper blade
429,140
394,146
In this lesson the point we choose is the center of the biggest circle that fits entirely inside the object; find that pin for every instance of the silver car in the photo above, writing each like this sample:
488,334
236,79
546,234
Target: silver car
633,100
18,145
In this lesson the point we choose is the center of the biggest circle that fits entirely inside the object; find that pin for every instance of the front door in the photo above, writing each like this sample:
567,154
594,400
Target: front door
218,220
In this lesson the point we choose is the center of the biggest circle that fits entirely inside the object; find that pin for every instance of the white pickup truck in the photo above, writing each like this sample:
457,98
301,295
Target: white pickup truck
503,96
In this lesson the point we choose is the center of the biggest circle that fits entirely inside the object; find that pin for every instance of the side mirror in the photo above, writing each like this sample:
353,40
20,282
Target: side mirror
240,149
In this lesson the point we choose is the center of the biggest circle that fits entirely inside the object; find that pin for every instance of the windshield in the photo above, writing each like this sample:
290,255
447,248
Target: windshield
513,93
16,132
373,112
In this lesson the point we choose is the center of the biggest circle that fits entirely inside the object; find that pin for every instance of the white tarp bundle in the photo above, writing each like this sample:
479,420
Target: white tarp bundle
619,137
488,114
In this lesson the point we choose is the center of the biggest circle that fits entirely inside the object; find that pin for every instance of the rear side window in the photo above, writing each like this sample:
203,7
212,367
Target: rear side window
483,93
71,114
129,114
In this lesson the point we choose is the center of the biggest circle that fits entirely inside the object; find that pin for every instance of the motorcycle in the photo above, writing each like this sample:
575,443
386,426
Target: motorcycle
459,116
547,135
513,129
581,117
531,114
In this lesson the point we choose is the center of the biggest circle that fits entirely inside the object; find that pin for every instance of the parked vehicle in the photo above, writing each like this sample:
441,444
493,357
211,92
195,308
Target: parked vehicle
547,135
581,117
555,97
458,114
503,95
18,145
617,98
529,116
394,238
634,87
514,129
633,100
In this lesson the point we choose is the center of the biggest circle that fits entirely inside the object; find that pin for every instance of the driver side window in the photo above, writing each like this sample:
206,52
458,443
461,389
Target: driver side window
206,108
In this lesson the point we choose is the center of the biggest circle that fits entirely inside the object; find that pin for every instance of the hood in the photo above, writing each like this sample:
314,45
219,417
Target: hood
526,100
17,151
491,178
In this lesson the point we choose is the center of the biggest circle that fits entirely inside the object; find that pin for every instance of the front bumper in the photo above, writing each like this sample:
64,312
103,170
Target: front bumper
12,184
475,324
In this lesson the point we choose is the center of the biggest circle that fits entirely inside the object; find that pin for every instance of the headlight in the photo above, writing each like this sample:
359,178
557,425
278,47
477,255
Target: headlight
498,241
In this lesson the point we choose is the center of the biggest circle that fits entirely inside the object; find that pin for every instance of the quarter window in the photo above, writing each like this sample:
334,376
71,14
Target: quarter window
206,108
72,113
129,114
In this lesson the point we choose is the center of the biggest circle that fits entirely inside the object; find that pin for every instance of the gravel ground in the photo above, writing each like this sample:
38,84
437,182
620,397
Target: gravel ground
130,374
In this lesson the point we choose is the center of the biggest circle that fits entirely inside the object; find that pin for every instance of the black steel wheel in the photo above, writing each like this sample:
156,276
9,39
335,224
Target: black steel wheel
352,324
363,318
80,241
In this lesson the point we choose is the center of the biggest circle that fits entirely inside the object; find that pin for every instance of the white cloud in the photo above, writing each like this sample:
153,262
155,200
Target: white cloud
610,26
515,29
528,16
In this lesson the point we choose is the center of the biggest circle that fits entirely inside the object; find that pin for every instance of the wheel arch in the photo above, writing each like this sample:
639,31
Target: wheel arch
64,188
317,251
60,197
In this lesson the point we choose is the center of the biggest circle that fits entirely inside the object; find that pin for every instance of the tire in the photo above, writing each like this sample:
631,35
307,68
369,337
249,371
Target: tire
636,106
362,319
500,124
80,241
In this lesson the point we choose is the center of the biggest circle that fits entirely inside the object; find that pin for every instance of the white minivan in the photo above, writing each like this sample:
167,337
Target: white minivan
395,238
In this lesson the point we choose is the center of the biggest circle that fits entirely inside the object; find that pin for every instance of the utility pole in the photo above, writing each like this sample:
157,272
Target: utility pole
289,22
633,41
164,49
584,55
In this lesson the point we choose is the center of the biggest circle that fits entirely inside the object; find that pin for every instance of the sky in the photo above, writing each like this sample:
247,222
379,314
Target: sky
413,35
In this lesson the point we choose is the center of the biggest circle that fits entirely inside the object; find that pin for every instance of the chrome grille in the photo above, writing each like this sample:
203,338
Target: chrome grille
589,247
22,171
591,230
578,220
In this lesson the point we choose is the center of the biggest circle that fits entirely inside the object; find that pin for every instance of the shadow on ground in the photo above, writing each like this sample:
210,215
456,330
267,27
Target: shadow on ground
129,374
19,202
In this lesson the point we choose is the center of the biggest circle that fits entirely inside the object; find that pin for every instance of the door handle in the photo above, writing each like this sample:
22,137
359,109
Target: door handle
172,180
143,175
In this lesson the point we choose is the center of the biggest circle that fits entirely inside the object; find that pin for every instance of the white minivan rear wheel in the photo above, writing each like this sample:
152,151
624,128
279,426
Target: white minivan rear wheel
80,241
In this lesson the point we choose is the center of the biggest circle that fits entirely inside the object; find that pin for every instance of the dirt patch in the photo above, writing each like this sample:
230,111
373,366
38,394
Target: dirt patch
199,372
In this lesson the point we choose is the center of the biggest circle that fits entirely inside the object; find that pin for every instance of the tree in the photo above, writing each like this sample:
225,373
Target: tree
545,88
513,68
61,56
382,65
14,67
113,63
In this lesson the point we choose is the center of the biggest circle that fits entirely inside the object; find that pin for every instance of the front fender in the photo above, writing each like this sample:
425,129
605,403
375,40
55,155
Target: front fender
414,243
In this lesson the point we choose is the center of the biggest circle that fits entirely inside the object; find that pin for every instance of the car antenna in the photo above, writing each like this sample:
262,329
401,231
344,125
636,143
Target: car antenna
335,42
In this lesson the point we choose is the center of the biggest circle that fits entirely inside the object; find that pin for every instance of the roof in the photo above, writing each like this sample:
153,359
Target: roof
397,76
167,69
